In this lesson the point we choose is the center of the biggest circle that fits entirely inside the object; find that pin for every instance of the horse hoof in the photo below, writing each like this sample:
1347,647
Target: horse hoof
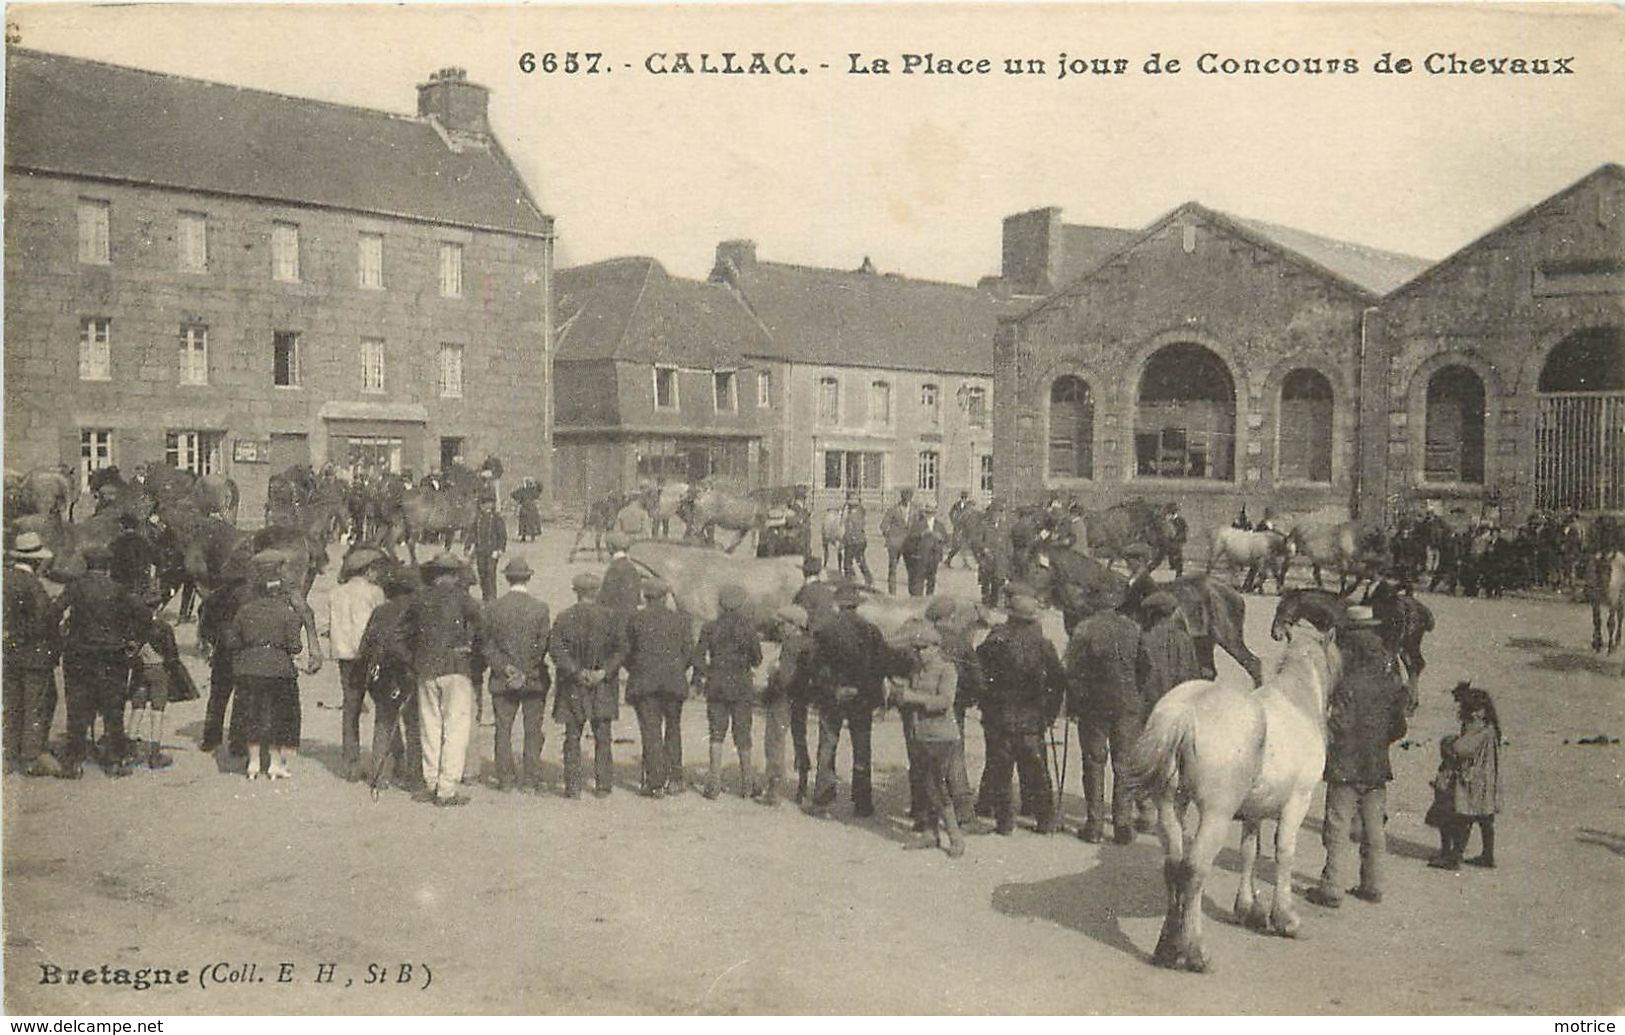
1293,928
1256,919
1198,963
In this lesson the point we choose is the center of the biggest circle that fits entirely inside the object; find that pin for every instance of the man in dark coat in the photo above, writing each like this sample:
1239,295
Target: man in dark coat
1367,714
995,554
515,643
894,529
1104,699
658,657
588,647
725,659
847,688
855,539
962,516
816,595
444,626
385,656
922,550
105,623
486,539
1167,654
32,643
133,556
1025,685
1178,533
622,588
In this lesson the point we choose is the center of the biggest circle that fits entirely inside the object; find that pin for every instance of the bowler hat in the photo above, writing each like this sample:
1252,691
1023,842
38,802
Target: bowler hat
517,570
442,562
29,547
360,559
1360,617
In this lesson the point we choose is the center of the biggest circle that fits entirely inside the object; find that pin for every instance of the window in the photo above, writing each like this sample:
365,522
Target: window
372,365
285,252
95,451
94,238
192,242
986,478
976,406
1071,428
926,479
194,354
380,454
724,391
665,388
928,403
1185,421
451,270
764,389
851,469
96,349
451,372
195,451
1454,433
880,404
1304,438
829,400
285,359
371,259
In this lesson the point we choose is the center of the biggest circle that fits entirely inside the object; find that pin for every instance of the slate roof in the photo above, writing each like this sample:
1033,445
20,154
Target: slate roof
632,309
76,117
1372,269
839,318
1086,247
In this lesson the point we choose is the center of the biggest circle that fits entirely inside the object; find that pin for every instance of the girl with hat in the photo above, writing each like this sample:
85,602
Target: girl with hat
1467,789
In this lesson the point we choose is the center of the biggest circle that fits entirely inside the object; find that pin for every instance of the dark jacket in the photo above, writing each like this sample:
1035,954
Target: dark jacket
924,542
817,598
1025,680
727,653
848,651
263,637
515,633
1101,666
443,625
658,654
622,590
1367,712
488,534
102,616
33,638
587,637
215,612
971,683
385,652
1167,658
789,677
134,557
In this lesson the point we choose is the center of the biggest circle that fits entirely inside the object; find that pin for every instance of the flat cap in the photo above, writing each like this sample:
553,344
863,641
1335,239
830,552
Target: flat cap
732,597
586,581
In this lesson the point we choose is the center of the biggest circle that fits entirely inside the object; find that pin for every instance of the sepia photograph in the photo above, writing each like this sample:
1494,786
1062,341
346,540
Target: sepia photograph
814,509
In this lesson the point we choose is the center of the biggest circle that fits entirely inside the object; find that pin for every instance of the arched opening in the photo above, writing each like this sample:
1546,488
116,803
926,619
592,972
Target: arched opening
1185,419
1455,427
1071,428
1304,436
1580,423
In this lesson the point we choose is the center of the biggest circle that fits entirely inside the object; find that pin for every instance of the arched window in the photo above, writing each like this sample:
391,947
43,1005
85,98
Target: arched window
1185,421
1304,438
1071,428
1455,427
1580,423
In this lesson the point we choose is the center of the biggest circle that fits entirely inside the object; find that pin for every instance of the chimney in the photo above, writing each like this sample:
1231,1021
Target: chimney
1032,251
733,257
456,104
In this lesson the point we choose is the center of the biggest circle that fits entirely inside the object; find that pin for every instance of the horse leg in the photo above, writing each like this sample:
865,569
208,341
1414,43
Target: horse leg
1247,902
1596,624
1212,824
1284,919
1169,945
1315,569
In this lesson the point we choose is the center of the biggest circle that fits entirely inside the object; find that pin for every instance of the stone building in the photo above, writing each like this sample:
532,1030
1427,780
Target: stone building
1496,379
234,280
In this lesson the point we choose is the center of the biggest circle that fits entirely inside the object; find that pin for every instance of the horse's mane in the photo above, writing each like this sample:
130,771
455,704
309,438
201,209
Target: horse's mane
1309,655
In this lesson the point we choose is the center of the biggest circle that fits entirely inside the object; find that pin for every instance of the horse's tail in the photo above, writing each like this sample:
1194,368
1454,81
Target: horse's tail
1155,766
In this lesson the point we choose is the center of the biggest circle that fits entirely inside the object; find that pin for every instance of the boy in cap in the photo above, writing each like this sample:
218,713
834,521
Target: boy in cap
349,605
785,701
588,646
516,629
32,643
444,626
104,622
927,695
725,659
816,596
658,652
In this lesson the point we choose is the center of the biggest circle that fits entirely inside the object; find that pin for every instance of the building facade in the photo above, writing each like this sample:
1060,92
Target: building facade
236,281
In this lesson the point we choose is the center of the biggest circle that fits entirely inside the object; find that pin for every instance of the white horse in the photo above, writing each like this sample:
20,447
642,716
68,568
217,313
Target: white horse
1235,753
1258,553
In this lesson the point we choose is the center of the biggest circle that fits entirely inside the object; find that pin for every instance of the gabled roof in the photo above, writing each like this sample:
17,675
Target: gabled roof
865,319
1085,247
632,309
75,117
1607,171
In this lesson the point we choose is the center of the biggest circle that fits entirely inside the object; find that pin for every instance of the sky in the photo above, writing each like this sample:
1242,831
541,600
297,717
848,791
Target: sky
916,171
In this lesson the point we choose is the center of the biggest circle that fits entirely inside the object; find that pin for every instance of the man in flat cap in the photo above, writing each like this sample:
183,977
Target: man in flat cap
349,605
1166,658
658,649
516,631
32,643
588,647
622,587
1103,696
725,660
103,623
486,540
444,625
1025,685
848,663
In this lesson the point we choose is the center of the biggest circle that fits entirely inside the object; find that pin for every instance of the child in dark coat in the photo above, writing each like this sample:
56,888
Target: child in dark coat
1467,789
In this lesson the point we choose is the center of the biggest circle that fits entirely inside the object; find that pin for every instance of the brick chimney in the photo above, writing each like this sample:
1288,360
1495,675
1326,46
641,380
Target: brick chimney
733,257
458,105
1032,251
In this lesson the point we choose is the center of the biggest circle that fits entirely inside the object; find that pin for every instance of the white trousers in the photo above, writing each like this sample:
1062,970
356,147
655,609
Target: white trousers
446,707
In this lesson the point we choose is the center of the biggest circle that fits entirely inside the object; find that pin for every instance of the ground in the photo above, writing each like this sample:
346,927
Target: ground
522,904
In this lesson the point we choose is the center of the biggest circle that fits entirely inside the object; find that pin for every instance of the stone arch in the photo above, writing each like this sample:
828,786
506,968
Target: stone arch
1494,392
1306,414
1187,404
1577,444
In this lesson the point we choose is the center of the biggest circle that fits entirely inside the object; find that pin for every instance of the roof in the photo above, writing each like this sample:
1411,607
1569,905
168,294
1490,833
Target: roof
865,319
632,309
75,117
1086,247
1372,269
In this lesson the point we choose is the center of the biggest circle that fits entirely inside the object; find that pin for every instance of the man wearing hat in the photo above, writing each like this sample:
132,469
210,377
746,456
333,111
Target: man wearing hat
385,656
957,517
922,550
995,554
926,698
349,605
847,668
816,596
516,630
1025,686
445,626
621,589
725,660
657,662
855,539
895,525
1103,696
944,614
1366,715
32,643
134,556
1166,658
785,701
1140,583
486,539
104,623
588,647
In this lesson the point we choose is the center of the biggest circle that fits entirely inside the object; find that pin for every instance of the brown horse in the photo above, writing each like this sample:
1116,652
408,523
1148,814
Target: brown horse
715,508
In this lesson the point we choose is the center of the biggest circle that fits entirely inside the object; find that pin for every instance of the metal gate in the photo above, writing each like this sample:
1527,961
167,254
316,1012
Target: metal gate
1580,451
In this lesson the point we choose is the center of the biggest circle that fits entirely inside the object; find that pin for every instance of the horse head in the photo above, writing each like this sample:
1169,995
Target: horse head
1311,652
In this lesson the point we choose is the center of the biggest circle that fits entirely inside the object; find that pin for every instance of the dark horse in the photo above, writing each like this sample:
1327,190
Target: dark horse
1405,620
1214,612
